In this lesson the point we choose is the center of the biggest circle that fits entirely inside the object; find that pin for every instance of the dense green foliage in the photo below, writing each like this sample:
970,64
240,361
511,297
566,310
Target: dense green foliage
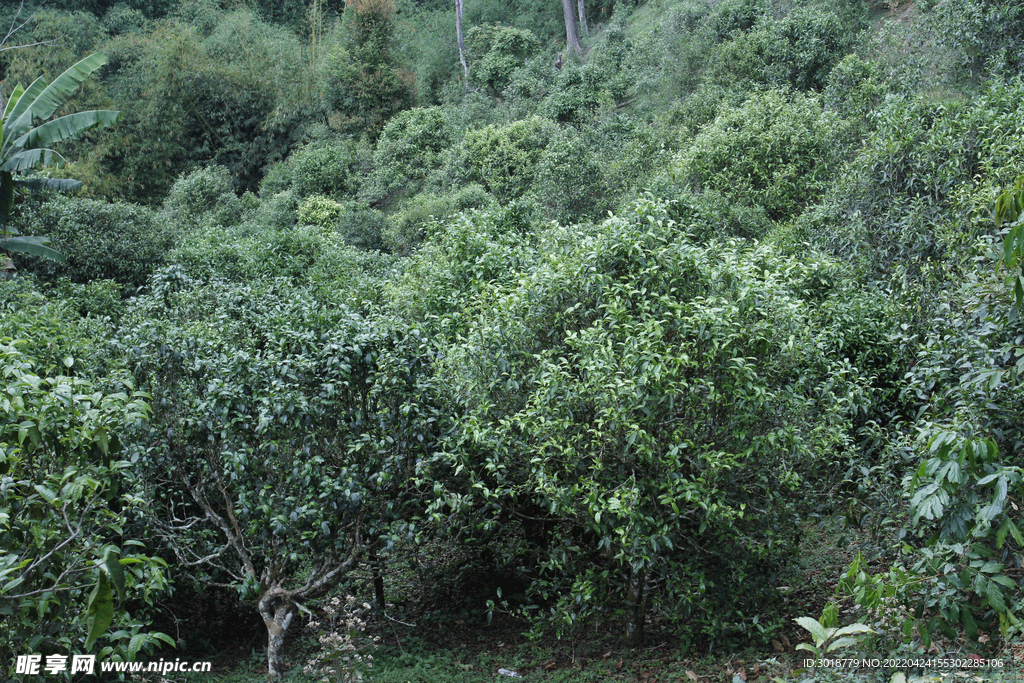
614,329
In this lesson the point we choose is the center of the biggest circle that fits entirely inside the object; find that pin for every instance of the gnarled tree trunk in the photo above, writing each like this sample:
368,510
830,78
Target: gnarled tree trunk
278,610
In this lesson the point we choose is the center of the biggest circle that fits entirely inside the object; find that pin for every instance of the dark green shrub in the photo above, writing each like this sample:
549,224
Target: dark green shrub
191,98
579,91
121,19
505,157
569,182
409,225
906,207
729,16
278,211
854,87
122,242
198,193
360,79
529,85
363,227
66,37
332,169
796,51
778,150
409,149
581,387
986,33
495,52
67,320
97,298
277,178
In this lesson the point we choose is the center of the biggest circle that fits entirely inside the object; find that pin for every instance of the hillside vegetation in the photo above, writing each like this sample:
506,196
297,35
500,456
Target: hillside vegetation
600,366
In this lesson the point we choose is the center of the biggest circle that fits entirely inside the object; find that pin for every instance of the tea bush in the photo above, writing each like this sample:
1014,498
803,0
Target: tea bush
118,241
778,150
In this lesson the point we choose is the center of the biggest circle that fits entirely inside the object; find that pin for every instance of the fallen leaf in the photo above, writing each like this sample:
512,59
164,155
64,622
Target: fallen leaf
778,646
786,641
606,655
548,666
983,638
692,676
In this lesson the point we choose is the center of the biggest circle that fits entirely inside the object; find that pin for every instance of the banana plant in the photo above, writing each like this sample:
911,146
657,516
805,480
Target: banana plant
26,146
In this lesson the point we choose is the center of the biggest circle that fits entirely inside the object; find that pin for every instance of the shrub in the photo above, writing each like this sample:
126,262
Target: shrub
410,147
729,16
853,87
60,323
986,33
409,225
584,388
122,242
505,157
124,19
191,94
197,193
777,150
904,209
569,179
495,52
332,169
278,211
363,227
360,78
319,210
797,51
579,91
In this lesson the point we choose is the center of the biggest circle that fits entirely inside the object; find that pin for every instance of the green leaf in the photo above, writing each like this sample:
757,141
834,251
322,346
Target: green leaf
100,611
137,641
65,128
48,495
816,629
841,643
853,629
17,106
34,246
163,637
112,561
27,159
49,184
44,99
12,101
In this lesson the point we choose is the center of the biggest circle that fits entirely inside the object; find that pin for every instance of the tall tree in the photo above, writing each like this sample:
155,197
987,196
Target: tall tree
462,43
582,6
572,36
363,80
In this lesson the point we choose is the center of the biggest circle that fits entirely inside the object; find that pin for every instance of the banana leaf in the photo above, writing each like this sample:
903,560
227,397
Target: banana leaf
64,128
35,246
27,159
49,184
53,95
